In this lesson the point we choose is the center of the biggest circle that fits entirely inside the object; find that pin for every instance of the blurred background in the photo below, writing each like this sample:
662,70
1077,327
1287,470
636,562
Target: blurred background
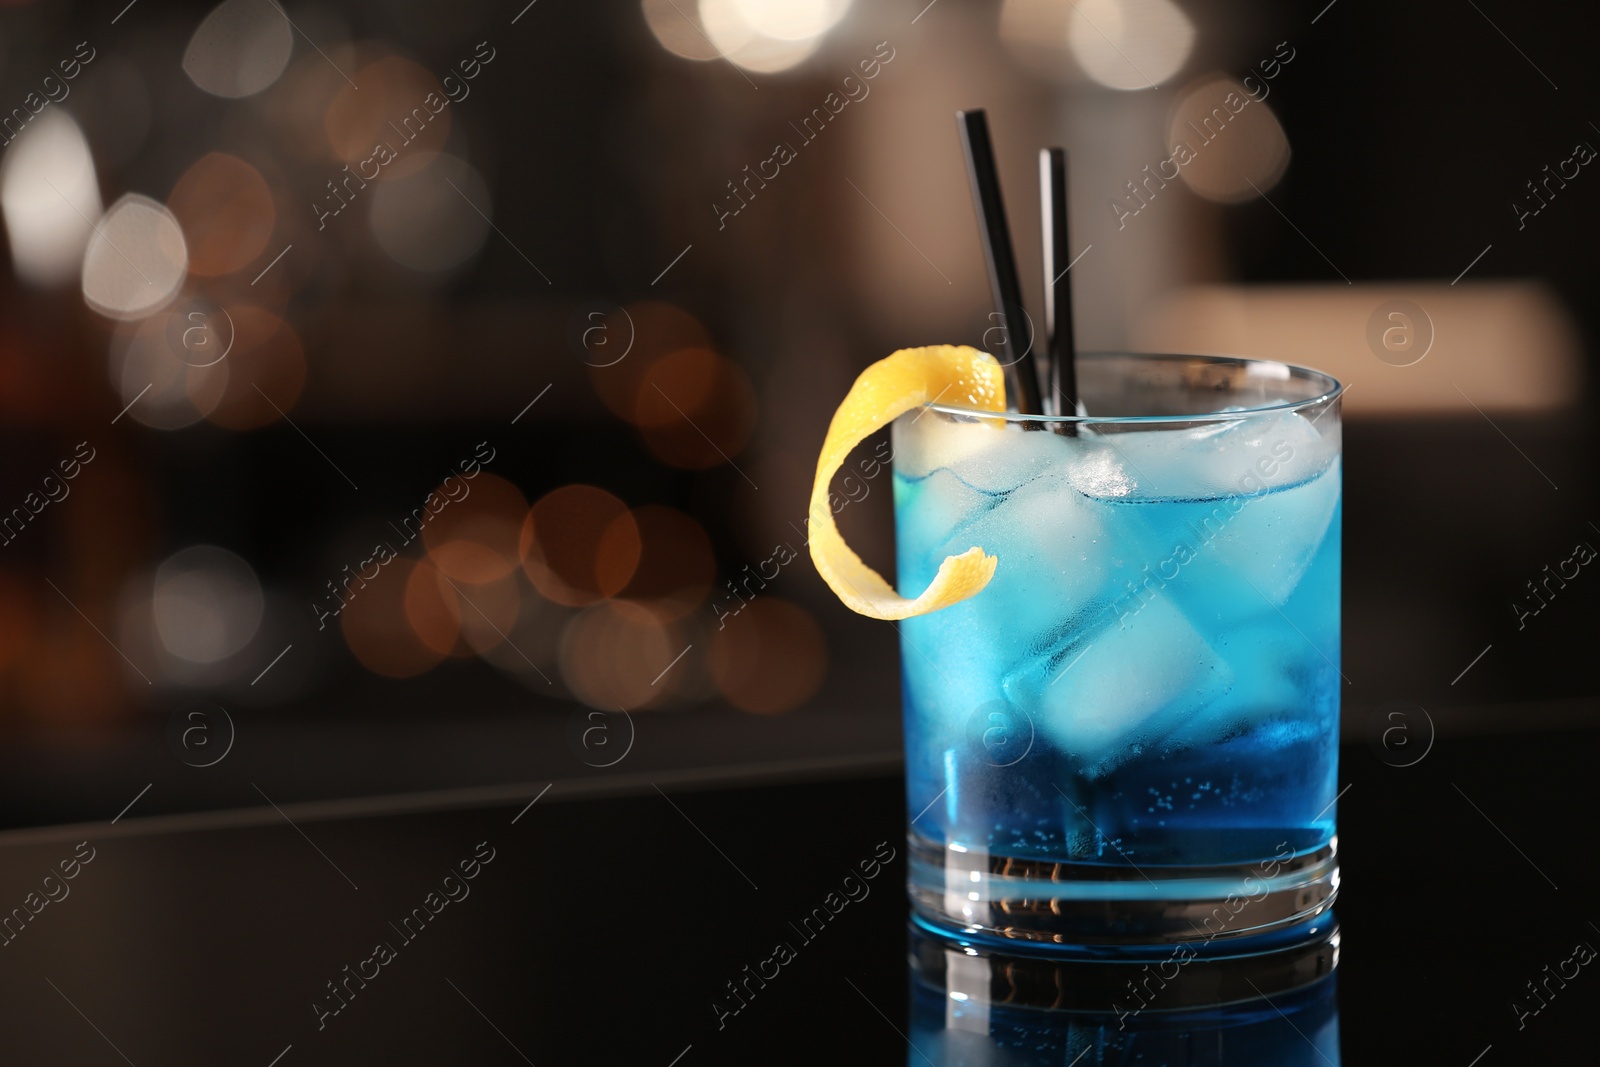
414,396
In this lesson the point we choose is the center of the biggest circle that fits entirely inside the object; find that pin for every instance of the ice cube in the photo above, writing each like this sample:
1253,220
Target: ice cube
1266,659
1122,689
1053,558
1272,450
1274,538
928,512
1251,500
1056,562
925,441
1205,460
1145,464
988,454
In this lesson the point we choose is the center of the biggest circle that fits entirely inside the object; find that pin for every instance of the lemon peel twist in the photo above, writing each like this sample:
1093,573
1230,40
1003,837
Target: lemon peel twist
886,390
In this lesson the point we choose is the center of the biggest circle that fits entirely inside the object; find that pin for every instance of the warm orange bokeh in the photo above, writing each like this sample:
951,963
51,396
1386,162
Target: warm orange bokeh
695,409
226,211
392,106
682,383
579,544
770,657
433,609
474,536
378,627
647,331
613,654
676,565
489,610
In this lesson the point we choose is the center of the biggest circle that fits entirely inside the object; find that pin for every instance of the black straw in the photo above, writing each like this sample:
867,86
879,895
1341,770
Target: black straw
1021,376
1060,353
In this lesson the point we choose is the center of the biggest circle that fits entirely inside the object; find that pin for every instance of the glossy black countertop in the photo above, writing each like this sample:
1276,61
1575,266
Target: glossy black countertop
604,921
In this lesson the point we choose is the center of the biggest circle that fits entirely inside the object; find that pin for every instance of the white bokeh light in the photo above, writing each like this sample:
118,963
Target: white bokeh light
741,43
136,259
1238,147
676,26
158,386
1130,44
240,49
50,199
207,604
792,20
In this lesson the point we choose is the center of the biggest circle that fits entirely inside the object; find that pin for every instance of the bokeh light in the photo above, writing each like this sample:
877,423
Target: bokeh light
741,42
613,653
50,197
239,49
683,384
156,385
378,626
1129,44
770,658
399,105
579,544
647,331
676,565
225,208
432,220
136,260
1235,140
488,610
1123,44
432,608
792,20
475,534
695,409
206,605
676,24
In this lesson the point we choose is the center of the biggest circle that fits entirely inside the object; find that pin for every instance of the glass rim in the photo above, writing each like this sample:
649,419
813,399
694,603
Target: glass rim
1331,390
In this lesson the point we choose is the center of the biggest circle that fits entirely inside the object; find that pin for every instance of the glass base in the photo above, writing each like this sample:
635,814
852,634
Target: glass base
1096,911
1023,981
975,1005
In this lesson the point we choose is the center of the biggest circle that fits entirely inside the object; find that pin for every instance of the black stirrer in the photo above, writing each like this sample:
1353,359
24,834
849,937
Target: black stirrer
1060,353
1021,376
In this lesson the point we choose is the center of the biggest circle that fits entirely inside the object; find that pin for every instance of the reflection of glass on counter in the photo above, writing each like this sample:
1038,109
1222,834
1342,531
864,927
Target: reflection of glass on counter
972,1007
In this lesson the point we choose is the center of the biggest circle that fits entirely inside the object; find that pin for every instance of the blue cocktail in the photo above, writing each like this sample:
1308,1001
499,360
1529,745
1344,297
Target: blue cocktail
1129,738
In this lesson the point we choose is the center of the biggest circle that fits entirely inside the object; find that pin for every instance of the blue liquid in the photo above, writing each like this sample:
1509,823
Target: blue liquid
1151,677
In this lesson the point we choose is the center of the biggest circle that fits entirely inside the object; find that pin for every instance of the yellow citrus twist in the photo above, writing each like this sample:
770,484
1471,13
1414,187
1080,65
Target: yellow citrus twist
911,377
